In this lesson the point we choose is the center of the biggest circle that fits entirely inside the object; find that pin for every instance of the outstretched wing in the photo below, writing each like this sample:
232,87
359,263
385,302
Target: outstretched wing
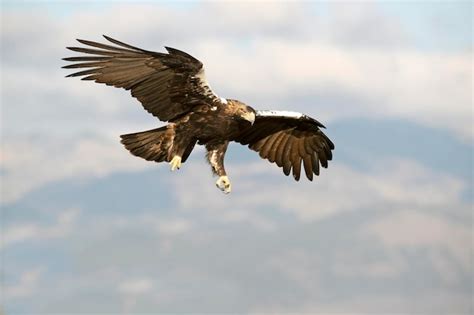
287,139
167,84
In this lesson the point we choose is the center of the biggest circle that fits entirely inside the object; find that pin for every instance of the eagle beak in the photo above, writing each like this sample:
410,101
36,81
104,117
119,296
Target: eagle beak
250,117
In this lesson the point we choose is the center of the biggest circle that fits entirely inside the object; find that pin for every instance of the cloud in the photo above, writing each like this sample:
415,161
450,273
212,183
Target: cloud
389,237
274,68
131,289
26,286
216,253
135,286
437,232
174,227
166,226
376,83
352,20
391,182
264,54
32,161
34,232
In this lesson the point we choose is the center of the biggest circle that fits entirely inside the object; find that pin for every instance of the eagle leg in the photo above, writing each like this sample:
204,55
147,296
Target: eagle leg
175,163
215,157
180,149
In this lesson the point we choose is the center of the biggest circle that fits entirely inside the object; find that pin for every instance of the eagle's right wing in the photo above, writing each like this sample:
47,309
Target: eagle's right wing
167,84
287,139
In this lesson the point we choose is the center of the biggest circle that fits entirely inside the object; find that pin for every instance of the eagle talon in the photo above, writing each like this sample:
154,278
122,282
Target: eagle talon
175,163
223,183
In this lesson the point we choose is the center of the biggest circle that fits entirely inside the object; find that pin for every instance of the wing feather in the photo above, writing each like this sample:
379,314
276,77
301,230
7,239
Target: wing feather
308,167
323,158
114,41
296,160
291,140
86,58
273,149
287,156
103,46
306,153
167,84
280,150
267,145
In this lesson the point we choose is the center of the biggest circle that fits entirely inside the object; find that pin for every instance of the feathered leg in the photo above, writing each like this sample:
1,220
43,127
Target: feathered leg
215,156
180,149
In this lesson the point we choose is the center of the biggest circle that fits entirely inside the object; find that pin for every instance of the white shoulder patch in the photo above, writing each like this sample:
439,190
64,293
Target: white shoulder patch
223,100
279,113
201,75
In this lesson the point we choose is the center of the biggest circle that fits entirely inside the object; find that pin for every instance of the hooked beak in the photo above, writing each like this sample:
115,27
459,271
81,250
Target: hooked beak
249,116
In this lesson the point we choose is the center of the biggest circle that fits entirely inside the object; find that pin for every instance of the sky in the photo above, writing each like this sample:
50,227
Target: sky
387,228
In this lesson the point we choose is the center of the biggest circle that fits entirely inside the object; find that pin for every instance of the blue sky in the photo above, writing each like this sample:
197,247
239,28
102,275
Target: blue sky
387,228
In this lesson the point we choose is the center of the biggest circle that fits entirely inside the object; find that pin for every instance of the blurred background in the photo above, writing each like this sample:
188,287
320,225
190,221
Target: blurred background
88,228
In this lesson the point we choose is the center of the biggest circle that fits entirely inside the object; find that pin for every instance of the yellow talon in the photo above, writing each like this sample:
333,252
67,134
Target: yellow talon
175,163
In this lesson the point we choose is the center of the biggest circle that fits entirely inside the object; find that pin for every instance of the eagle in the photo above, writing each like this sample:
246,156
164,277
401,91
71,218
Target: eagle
172,86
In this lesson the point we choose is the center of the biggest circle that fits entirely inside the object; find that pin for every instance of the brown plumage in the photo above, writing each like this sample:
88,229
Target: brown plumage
172,86
289,142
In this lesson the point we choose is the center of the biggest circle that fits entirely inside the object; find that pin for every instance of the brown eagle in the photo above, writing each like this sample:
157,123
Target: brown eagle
172,86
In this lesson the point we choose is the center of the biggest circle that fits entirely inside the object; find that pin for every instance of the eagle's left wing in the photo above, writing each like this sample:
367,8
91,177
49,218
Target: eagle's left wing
167,84
287,139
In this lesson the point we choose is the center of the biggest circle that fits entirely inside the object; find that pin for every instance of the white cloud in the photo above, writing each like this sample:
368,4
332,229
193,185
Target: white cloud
212,247
268,55
351,264
32,231
265,56
279,61
399,84
248,216
29,162
135,286
174,227
165,226
26,286
339,189
132,289
434,302
412,229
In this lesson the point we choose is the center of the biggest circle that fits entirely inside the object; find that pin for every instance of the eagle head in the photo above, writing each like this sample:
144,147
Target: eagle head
242,111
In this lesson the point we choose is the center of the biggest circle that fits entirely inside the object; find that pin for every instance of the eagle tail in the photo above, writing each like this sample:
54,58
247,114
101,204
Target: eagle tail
151,145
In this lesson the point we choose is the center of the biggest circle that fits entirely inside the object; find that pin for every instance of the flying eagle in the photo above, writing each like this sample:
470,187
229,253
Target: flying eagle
172,86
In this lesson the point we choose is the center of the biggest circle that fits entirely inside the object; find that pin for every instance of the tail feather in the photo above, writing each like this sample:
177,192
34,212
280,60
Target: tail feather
151,145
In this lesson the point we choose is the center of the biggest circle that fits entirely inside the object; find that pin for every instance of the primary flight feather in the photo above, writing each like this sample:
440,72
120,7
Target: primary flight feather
173,87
